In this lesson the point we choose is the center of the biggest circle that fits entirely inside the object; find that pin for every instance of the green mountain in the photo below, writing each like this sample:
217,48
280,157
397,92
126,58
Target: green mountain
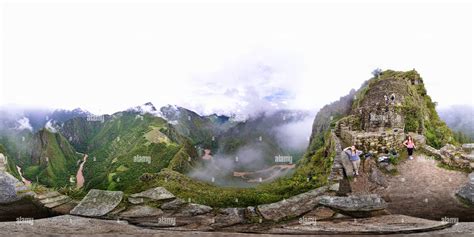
123,146
385,95
44,156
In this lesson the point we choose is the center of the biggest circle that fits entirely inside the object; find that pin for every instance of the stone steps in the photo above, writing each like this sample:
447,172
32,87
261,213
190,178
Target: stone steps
52,199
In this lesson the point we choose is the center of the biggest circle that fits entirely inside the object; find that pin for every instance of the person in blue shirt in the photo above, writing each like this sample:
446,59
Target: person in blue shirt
354,154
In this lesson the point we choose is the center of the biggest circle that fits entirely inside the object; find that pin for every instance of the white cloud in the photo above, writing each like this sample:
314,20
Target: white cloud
110,56
24,123
49,126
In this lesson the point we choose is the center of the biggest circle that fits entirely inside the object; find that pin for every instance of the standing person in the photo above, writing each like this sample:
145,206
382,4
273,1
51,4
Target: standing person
354,154
410,145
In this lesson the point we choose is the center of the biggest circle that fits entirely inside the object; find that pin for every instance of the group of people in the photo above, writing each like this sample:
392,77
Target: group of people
354,154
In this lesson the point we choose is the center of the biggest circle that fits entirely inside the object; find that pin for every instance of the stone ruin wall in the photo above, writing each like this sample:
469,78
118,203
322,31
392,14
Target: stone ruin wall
377,124
373,142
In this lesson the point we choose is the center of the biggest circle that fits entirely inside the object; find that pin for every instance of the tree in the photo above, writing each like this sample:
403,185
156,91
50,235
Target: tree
377,72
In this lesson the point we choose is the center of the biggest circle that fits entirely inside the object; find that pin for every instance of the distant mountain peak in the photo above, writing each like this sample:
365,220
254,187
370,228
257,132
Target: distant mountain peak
147,108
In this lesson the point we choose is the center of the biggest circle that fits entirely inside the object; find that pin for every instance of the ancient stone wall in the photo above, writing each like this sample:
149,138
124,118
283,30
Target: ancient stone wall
374,142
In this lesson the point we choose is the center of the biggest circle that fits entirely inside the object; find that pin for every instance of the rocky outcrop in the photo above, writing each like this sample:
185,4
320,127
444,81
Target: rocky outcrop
98,203
157,194
173,205
341,167
16,199
293,206
141,211
229,217
53,200
8,188
453,156
193,209
377,177
466,193
357,206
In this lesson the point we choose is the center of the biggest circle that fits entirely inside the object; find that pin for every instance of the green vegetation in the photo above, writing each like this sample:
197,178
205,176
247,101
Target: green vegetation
57,159
462,138
418,109
129,145
311,172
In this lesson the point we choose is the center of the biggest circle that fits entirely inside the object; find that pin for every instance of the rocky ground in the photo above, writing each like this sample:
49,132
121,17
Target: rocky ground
435,190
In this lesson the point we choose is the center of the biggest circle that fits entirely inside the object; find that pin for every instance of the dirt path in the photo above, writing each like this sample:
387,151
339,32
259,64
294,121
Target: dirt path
80,175
25,181
421,189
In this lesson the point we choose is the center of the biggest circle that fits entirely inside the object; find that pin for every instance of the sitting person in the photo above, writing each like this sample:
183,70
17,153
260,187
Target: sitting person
354,154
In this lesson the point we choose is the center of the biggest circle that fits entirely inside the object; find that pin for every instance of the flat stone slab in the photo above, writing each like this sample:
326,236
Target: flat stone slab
193,209
58,202
388,224
98,203
47,195
158,193
141,211
136,200
346,164
173,205
293,206
362,203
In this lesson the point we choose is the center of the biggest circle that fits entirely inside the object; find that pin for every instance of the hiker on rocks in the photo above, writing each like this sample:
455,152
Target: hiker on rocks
410,145
354,154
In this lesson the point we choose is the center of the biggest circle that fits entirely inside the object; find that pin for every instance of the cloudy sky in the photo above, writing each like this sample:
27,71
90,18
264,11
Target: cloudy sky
240,57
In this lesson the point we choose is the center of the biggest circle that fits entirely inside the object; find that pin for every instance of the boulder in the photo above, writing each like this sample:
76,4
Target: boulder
293,206
347,165
469,147
229,217
157,194
8,188
173,205
377,177
466,193
98,203
356,206
469,157
141,211
193,209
